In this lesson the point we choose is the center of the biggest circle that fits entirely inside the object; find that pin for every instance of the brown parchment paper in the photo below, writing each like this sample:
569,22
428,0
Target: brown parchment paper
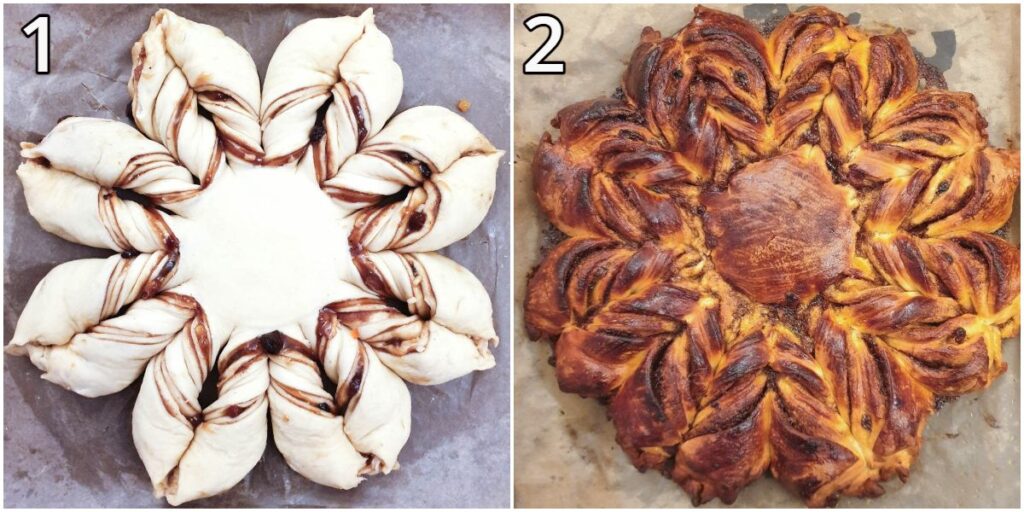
565,450
64,450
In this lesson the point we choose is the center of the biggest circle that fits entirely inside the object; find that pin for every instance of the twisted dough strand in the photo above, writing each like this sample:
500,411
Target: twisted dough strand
430,320
374,401
192,452
195,91
360,430
74,186
110,355
331,83
82,211
101,288
307,429
440,162
113,155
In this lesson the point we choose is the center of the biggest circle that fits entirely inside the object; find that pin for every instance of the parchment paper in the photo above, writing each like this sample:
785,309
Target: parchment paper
565,453
65,450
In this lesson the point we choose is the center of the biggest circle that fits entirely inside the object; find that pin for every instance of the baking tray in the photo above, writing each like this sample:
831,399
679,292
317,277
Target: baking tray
63,450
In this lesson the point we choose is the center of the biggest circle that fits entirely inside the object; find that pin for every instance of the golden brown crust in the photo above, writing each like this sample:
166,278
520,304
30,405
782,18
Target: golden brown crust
781,231
779,255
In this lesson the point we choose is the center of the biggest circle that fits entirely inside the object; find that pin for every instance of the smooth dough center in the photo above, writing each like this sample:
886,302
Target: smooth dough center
264,248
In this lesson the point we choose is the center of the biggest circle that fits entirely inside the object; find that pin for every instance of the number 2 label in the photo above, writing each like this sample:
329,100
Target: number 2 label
536,64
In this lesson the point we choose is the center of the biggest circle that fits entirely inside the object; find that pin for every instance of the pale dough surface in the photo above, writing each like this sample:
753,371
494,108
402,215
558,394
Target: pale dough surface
58,458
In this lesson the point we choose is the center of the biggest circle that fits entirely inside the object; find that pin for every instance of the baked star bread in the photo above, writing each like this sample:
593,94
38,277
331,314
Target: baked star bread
279,241
780,255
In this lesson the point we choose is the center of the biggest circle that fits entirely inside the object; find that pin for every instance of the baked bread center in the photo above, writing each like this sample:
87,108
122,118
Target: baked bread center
781,231
269,244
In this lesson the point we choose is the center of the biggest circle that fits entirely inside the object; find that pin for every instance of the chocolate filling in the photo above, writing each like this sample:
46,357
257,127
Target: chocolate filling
272,342
319,131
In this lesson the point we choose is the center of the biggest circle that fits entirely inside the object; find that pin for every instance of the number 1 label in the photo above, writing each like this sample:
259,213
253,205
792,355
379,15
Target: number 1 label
40,28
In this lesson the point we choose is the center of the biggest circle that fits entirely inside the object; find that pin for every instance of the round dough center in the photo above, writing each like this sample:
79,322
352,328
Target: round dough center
264,247
781,231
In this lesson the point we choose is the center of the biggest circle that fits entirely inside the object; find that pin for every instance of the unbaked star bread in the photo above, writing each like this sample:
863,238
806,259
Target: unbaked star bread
281,239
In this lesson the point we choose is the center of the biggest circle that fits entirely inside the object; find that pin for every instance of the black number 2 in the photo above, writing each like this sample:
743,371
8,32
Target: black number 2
40,28
536,65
